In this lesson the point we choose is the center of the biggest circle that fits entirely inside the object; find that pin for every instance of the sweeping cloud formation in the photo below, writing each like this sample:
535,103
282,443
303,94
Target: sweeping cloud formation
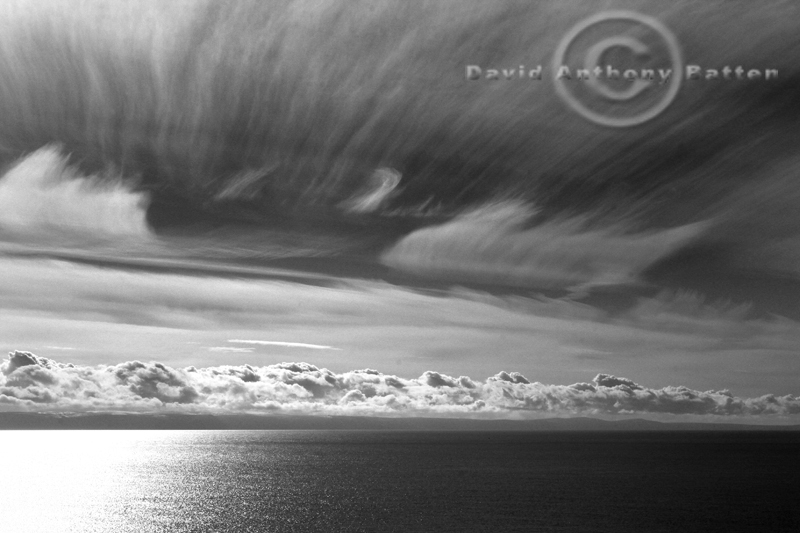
32,383
492,244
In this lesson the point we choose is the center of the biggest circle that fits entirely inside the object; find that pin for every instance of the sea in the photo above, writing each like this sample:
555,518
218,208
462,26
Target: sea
359,481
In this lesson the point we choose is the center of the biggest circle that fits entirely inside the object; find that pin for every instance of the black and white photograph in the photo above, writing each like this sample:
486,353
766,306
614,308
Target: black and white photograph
399,266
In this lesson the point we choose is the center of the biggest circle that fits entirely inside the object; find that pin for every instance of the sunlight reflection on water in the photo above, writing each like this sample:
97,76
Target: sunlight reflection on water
81,480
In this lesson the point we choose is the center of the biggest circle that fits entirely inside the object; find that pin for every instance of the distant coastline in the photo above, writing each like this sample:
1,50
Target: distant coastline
128,421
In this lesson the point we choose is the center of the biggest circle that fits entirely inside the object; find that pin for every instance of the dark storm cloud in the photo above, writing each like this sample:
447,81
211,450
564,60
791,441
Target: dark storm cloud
303,388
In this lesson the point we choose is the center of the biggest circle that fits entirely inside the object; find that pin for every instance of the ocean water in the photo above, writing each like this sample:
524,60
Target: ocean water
253,481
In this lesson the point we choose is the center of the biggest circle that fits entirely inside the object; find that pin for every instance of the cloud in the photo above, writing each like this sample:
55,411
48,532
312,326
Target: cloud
604,380
379,188
33,383
23,359
285,344
493,244
41,196
116,315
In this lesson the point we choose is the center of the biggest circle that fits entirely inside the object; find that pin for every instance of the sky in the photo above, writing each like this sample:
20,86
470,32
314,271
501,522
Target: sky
308,208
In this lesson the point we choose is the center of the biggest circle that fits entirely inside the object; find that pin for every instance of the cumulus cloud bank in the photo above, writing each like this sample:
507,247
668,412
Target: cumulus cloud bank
32,383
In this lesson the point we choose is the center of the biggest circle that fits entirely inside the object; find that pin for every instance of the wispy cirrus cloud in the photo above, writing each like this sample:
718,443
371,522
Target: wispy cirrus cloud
493,244
285,344
229,349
